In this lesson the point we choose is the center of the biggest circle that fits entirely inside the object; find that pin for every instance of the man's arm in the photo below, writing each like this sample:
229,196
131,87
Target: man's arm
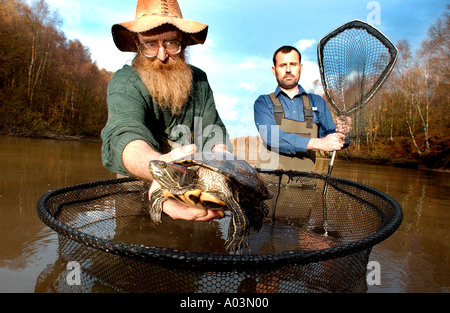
137,155
126,121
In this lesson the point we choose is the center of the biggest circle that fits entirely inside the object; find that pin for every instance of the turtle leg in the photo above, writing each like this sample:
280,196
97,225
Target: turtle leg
156,201
211,201
238,229
192,196
256,215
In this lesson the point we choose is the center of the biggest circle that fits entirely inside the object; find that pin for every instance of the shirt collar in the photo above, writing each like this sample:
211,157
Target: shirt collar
278,91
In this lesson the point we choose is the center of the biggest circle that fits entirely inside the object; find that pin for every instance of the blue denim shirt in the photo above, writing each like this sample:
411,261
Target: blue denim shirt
293,109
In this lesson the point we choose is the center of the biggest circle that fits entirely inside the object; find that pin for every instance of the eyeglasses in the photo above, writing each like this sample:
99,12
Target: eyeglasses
150,49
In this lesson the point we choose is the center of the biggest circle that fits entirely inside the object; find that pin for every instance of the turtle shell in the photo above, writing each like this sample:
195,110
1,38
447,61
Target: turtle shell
242,175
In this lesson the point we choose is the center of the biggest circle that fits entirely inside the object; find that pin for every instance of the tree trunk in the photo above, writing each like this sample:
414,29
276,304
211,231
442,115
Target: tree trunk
30,69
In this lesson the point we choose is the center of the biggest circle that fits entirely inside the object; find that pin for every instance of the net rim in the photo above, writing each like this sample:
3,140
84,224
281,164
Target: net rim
213,261
356,24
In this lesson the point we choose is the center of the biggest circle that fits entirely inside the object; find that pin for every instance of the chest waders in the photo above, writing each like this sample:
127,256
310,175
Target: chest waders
300,161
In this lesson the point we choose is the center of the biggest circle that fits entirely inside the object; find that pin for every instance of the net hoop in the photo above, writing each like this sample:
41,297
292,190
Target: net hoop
224,262
357,24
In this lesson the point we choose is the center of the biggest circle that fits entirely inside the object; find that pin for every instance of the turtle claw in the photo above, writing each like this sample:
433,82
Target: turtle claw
236,245
155,216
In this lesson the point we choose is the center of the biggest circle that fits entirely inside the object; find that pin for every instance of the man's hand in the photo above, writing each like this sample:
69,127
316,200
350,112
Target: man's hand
178,153
332,142
220,148
343,124
180,210
335,141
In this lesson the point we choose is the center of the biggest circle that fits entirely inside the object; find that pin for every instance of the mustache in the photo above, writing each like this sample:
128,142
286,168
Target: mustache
169,84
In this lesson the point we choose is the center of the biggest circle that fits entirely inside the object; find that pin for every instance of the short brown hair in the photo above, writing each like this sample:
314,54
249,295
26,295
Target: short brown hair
285,49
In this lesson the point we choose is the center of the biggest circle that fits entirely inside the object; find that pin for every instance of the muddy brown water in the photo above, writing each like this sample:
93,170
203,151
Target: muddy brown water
414,259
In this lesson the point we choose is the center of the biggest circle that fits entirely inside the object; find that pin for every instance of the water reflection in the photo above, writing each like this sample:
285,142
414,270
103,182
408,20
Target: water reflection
414,259
30,168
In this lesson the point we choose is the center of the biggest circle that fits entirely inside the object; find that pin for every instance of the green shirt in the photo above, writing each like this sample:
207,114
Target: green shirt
132,115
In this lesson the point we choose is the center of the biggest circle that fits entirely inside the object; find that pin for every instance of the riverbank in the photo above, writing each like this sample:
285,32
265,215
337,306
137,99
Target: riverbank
48,135
396,164
388,155
55,136
246,145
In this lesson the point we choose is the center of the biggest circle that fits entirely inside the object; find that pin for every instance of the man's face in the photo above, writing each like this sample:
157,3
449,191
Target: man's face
168,78
160,37
287,69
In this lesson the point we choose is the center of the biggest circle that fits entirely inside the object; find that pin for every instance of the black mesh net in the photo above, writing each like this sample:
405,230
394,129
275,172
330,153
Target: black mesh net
354,59
104,227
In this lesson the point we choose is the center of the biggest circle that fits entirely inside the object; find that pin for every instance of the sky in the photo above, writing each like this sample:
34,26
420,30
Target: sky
244,34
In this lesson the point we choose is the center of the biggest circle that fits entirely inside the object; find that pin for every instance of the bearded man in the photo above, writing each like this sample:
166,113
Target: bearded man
294,124
160,108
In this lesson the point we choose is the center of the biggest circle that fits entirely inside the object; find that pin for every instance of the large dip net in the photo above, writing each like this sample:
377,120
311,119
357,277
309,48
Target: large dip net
105,229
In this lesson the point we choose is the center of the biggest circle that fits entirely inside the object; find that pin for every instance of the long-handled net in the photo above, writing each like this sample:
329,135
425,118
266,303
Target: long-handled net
354,61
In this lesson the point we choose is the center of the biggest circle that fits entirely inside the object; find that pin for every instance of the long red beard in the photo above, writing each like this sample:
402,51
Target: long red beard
169,84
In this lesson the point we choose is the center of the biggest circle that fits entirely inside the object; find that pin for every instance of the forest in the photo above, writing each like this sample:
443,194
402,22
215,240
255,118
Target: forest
49,85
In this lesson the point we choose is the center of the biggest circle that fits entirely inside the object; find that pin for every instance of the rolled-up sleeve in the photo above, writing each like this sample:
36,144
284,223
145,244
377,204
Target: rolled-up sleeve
126,120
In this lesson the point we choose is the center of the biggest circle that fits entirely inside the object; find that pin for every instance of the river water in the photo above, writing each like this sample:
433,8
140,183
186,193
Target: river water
414,259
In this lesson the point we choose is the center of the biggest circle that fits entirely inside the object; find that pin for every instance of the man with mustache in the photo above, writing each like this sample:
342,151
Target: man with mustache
160,107
293,124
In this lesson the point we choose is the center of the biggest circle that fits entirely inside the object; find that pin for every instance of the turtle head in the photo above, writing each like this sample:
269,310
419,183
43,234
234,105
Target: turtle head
169,175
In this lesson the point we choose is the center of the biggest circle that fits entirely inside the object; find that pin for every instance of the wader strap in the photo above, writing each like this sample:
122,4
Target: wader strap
307,111
278,111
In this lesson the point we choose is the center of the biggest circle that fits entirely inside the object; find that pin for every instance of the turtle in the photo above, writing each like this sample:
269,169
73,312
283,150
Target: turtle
216,180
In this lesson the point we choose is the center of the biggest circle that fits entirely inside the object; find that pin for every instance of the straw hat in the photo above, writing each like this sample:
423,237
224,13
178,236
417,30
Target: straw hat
151,14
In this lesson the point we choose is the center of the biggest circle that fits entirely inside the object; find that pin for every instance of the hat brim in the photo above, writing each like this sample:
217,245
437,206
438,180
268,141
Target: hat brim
124,33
